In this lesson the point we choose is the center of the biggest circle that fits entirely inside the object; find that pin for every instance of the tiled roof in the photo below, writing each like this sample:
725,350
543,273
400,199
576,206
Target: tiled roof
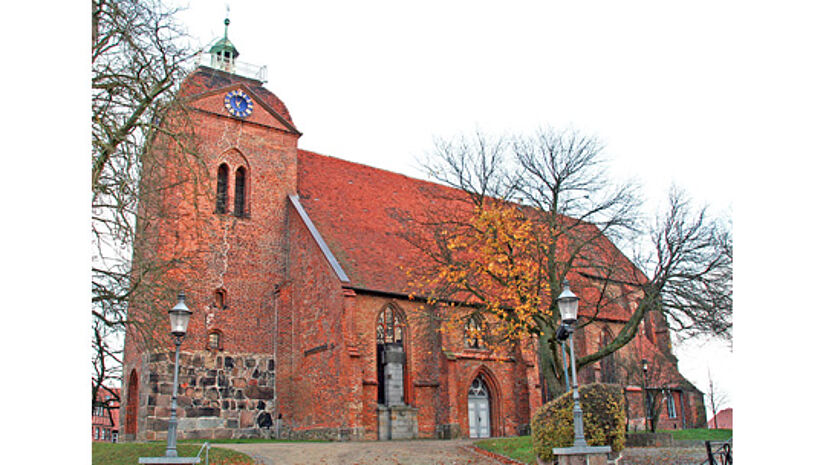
359,211
356,209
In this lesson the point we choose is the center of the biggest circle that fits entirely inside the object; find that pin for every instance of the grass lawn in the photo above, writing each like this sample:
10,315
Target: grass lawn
702,434
519,448
127,453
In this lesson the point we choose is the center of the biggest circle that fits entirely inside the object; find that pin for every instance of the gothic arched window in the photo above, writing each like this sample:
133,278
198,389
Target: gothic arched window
240,192
608,363
220,299
390,326
474,332
223,183
389,331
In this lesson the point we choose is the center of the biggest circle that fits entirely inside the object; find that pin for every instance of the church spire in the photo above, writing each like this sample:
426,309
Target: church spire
223,52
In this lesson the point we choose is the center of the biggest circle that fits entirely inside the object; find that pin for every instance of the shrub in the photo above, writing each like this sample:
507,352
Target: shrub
603,414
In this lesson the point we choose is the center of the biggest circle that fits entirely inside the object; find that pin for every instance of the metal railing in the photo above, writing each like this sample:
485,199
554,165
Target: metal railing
722,455
237,67
207,446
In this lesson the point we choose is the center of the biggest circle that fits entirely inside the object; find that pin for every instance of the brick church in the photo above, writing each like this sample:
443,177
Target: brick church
301,322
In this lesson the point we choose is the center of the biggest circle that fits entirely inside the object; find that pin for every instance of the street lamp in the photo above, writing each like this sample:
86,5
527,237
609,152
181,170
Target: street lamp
179,319
569,307
644,391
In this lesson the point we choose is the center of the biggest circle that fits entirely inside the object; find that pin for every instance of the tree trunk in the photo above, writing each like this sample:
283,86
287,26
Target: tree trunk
551,369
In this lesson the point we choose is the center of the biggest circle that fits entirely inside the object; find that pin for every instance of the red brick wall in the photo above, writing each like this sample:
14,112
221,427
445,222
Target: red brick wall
312,354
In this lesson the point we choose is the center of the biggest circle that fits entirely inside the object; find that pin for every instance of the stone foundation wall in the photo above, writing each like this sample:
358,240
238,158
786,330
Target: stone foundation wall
220,396
397,422
448,431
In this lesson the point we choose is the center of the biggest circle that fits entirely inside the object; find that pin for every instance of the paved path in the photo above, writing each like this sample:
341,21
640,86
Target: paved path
663,456
420,452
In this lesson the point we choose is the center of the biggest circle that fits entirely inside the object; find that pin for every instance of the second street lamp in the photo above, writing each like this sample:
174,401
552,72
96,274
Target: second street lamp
580,452
644,392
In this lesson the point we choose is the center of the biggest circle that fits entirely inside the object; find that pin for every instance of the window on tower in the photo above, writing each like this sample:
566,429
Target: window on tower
223,182
220,299
240,192
214,340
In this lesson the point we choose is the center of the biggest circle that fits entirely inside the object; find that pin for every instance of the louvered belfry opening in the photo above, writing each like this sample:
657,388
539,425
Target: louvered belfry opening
223,182
240,192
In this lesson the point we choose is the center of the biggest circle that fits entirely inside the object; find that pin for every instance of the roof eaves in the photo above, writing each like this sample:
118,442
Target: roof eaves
333,262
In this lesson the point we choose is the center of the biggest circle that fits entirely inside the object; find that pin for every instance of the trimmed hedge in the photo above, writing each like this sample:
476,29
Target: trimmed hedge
603,414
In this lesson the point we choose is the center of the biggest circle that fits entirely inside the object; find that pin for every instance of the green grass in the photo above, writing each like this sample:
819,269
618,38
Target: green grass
518,448
702,434
127,453
521,448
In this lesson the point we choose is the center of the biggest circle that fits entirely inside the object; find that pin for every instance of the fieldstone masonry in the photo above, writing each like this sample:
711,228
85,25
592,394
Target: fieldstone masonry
219,396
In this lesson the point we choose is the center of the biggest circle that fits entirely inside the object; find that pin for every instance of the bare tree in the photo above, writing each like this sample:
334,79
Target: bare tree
138,59
559,181
716,399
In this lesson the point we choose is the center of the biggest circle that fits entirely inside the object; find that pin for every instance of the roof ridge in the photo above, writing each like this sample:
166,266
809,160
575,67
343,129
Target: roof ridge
312,152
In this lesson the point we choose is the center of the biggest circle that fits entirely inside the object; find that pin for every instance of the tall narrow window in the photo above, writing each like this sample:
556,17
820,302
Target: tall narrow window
473,333
389,330
671,405
223,179
240,192
220,299
608,362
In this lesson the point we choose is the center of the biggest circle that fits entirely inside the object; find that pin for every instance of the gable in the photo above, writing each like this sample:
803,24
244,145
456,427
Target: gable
215,102
205,89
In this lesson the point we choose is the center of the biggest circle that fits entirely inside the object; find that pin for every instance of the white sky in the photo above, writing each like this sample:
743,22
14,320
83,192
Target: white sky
723,98
374,82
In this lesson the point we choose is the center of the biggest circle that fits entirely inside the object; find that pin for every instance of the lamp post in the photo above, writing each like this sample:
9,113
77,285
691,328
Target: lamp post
644,392
179,319
580,452
569,307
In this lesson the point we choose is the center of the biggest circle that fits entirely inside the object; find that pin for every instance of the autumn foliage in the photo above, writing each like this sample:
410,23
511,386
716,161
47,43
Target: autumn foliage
490,265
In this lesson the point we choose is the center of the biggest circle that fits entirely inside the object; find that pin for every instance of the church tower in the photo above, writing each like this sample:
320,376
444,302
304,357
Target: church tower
224,220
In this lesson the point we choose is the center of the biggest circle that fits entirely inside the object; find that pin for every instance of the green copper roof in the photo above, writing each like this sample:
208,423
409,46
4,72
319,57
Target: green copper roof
224,44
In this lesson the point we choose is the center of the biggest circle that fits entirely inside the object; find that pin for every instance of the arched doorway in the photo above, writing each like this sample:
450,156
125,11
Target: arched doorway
478,409
132,404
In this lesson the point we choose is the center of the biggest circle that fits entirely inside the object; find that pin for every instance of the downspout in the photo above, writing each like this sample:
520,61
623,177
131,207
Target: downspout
276,294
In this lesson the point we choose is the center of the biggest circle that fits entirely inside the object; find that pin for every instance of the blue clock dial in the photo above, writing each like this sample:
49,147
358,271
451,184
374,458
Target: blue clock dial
238,104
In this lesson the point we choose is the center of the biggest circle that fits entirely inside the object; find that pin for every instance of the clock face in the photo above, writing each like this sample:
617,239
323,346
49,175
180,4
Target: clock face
238,103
